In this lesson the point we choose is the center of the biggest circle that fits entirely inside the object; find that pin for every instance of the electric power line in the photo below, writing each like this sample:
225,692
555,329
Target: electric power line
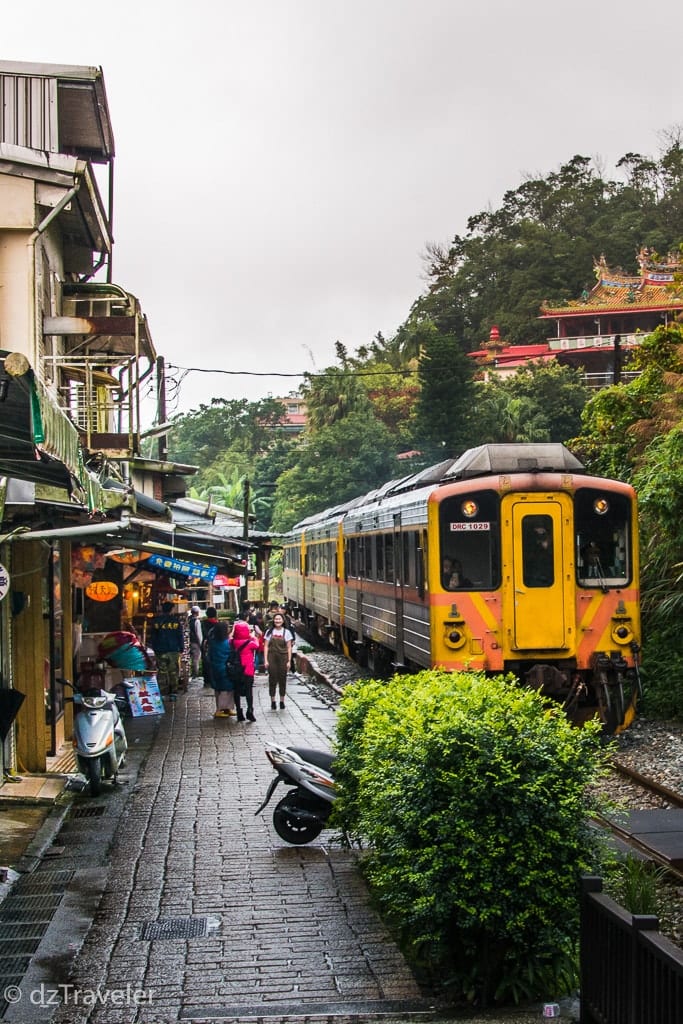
304,373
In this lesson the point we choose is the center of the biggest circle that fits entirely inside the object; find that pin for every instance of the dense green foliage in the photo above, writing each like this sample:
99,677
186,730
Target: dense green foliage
201,437
471,796
635,432
445,422
539,244
540,402
332,465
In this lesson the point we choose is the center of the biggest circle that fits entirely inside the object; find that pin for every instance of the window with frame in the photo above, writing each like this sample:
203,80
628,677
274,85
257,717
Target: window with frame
602,523
469,535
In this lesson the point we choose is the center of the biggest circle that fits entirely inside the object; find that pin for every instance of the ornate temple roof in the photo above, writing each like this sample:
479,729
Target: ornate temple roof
658,286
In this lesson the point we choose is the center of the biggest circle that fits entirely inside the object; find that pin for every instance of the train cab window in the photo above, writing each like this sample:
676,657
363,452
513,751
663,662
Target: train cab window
603,548
469,528
538,568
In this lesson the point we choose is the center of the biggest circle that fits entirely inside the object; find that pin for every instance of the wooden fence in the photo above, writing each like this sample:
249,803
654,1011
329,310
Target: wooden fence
630,973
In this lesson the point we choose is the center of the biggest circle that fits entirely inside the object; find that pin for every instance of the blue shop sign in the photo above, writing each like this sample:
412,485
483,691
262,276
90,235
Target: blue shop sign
181,567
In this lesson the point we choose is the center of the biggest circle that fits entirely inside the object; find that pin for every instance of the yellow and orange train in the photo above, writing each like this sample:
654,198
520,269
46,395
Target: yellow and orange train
511,558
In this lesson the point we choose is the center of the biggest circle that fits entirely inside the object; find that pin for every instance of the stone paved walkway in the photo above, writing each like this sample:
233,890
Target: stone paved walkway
290,933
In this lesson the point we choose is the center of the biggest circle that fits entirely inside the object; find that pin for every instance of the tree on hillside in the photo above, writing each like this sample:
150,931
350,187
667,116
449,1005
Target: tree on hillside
265,475
504,419
540,243
394,396
540,402
445,415
332,465
618,421
198,436
332,395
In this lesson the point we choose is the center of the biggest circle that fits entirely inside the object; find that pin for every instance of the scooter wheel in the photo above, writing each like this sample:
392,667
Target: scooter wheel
94,775
292,828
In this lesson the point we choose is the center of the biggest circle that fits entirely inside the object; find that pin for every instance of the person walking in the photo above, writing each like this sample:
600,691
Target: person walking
277,652
208,624
254,620
245,644
196,639
167,642
219,648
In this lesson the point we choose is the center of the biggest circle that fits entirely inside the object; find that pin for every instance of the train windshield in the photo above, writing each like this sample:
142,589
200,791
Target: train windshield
603,539
469,526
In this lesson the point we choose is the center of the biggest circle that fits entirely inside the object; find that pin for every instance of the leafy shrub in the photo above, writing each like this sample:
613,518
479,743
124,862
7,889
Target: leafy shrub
471,795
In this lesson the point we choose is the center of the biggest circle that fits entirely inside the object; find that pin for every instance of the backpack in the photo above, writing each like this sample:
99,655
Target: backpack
209,634
233,665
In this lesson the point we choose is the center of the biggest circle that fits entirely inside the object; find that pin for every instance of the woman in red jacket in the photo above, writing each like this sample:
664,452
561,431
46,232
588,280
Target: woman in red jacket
245,643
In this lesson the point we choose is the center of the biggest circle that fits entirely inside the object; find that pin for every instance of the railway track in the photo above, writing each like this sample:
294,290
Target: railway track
653,832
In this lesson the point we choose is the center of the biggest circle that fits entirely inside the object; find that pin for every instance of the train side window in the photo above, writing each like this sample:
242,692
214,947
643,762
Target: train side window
410,558
379,559
603,539
538,569
352,557
365,558
389,571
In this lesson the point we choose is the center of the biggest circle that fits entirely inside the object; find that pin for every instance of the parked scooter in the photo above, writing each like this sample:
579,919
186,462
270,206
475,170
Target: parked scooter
99,736
302,814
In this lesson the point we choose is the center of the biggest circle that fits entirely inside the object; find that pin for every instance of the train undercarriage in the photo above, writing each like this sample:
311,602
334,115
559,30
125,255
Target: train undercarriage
610,689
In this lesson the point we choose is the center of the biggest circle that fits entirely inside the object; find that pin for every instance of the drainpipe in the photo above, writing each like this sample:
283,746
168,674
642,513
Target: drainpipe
31,244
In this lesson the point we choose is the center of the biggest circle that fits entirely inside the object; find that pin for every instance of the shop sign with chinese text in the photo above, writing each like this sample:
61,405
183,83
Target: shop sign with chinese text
181,567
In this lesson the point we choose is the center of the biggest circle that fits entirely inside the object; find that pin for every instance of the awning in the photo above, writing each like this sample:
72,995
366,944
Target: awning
147,535
39,443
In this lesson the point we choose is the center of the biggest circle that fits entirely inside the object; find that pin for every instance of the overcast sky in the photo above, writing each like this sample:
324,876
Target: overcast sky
280,164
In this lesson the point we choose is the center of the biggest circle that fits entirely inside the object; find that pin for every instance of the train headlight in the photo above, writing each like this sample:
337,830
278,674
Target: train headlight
455,638
622,633
601,506
469,508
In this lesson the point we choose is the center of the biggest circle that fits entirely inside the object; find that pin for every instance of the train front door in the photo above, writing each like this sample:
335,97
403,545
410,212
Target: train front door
542,608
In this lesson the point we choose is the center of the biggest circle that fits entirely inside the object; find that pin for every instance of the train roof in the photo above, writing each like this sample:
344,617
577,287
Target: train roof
485,460
514,458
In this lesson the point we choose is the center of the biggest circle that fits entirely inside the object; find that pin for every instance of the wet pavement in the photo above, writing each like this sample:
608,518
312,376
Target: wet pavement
166,899
19,825
200,911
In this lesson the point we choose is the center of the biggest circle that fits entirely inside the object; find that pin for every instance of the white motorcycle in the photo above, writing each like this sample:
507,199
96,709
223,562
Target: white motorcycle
99,737
302,813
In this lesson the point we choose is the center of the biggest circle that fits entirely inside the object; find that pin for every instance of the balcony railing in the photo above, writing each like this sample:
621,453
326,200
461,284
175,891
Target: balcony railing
100,346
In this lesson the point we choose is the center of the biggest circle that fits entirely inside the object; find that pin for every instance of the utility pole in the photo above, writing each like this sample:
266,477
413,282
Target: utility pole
246,491
162,444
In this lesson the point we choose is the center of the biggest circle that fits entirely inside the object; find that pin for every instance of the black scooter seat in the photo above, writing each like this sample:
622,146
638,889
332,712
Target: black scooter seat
320,758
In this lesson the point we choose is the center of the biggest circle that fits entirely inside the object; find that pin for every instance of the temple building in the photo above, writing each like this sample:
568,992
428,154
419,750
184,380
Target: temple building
598,331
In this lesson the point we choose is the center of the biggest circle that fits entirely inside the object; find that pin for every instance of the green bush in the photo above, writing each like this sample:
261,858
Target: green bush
470,794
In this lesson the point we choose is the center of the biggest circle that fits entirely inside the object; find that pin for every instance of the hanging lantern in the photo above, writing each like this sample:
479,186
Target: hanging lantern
101,590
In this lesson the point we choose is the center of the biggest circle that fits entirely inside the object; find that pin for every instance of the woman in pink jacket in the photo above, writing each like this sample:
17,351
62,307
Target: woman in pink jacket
244,641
